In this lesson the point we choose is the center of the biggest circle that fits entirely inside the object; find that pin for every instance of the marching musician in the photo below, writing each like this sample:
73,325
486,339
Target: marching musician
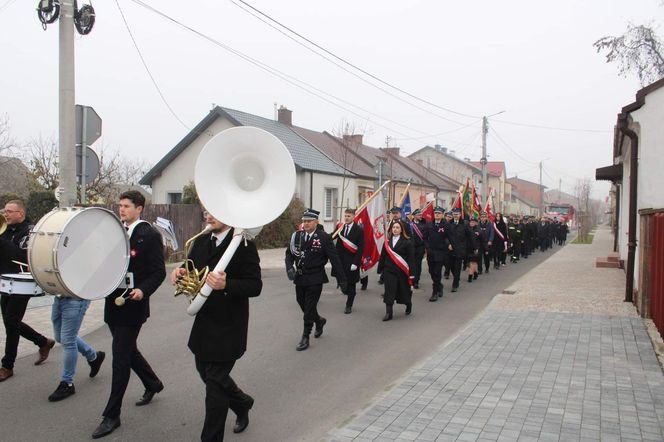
350,246
146,263
396,261
306,256
219,335
13,247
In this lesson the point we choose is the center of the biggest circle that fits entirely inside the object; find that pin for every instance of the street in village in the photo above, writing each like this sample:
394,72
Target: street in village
299,395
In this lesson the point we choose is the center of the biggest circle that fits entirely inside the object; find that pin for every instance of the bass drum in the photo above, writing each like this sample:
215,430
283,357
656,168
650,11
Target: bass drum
79,252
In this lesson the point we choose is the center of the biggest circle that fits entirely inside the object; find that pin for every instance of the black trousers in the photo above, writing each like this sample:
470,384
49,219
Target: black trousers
455,264
436,272
488,257
307,297
126,357
417,267
13,310
221,393
351,291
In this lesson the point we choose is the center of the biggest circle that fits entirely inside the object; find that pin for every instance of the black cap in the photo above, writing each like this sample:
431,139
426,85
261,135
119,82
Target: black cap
438,209
310,214
417,212
395,209
456,210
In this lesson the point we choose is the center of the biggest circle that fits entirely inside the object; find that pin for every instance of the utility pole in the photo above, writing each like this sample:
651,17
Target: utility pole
483,160
67,117
541,208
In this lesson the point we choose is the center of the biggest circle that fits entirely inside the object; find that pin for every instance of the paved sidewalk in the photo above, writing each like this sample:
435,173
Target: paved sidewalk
38,315
562,359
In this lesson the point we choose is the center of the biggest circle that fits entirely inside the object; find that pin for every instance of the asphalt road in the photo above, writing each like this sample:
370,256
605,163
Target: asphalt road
300,396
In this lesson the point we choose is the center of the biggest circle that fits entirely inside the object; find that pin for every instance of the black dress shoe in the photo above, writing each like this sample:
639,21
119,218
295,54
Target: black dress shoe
242,421
304,344
148,395
107,426
364,287
319,327
409,308
95,364
63,391
348,310
434,297
454,289
416,286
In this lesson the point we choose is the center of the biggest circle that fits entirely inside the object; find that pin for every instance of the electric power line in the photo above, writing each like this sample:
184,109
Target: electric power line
6,4
538,126
349,63
147,69
493,131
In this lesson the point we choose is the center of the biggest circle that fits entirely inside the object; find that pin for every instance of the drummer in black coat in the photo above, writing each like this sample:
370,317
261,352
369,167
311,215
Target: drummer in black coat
308,252
14,247
396,260
417,231
350,245
437,247
146,263
219,335
460,244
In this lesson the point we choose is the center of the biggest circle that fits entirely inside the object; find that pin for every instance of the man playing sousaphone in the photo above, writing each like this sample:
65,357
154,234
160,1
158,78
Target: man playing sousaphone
219,335
13,247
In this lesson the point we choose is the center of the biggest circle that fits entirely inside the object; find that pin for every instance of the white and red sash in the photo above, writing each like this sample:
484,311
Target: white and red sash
398,260
417,230
495,227
348,244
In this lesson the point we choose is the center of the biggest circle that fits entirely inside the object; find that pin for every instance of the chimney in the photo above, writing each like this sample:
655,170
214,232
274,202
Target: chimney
285,116
392,150
440,148
354,139
453,152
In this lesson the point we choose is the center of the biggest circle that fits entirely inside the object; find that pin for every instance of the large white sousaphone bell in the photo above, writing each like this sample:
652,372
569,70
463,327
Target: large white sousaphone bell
245,178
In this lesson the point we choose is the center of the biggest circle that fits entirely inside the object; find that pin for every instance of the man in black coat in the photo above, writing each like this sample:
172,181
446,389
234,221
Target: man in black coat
460,243
350,245
146,263
417,230
306,256
14,247
219,335
437,247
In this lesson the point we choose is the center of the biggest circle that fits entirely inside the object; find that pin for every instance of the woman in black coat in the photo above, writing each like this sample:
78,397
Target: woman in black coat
500,240
394,265
475,248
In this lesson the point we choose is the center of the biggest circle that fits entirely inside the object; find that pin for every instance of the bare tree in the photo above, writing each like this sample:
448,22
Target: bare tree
638,51
7,142
348,155
585,220
115,172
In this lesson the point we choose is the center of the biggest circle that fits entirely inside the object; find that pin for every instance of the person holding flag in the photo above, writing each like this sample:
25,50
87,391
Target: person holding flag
350,246
396,260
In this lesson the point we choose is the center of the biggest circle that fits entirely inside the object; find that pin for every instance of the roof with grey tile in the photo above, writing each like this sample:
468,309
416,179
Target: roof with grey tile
342,153
440,181
446,155
305,156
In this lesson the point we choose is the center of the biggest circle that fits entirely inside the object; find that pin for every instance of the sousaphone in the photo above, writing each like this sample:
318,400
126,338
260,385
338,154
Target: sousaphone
245,178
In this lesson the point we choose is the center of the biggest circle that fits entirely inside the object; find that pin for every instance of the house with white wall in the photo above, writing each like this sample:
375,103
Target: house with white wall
636,173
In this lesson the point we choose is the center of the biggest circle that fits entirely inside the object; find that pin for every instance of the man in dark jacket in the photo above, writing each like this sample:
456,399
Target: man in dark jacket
417,230
219,335
350,245
460,242
13,247
487,245
146,263
306,256
437,247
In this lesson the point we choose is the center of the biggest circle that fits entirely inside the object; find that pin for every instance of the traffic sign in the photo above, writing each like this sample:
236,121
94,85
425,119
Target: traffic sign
91,131
91,164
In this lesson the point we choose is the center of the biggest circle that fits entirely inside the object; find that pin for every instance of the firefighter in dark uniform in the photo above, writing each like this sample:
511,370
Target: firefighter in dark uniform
306,256
350,245
448,261
460,245
437,247
418,228
487,245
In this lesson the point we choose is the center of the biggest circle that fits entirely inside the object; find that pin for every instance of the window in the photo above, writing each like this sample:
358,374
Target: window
174,198
330,203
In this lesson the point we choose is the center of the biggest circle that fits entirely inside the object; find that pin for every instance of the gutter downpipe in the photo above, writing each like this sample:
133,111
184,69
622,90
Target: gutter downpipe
633,175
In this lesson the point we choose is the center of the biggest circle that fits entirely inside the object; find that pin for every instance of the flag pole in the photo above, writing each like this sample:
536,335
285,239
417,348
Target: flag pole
403,195
362,206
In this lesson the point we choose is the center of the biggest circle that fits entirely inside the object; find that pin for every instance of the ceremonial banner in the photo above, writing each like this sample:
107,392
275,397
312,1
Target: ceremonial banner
372,218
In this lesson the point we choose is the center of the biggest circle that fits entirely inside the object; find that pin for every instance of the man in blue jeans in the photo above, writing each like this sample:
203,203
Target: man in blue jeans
67,316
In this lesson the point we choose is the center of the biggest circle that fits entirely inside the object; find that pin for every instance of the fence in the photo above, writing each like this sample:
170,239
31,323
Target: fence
650,299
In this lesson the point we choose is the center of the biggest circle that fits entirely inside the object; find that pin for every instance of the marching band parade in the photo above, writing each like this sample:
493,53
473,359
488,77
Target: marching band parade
452,242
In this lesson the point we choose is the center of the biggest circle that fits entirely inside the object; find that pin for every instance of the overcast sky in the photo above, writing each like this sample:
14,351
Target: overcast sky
534,60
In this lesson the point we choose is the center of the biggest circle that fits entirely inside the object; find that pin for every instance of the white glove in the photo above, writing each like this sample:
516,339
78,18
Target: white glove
353,267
